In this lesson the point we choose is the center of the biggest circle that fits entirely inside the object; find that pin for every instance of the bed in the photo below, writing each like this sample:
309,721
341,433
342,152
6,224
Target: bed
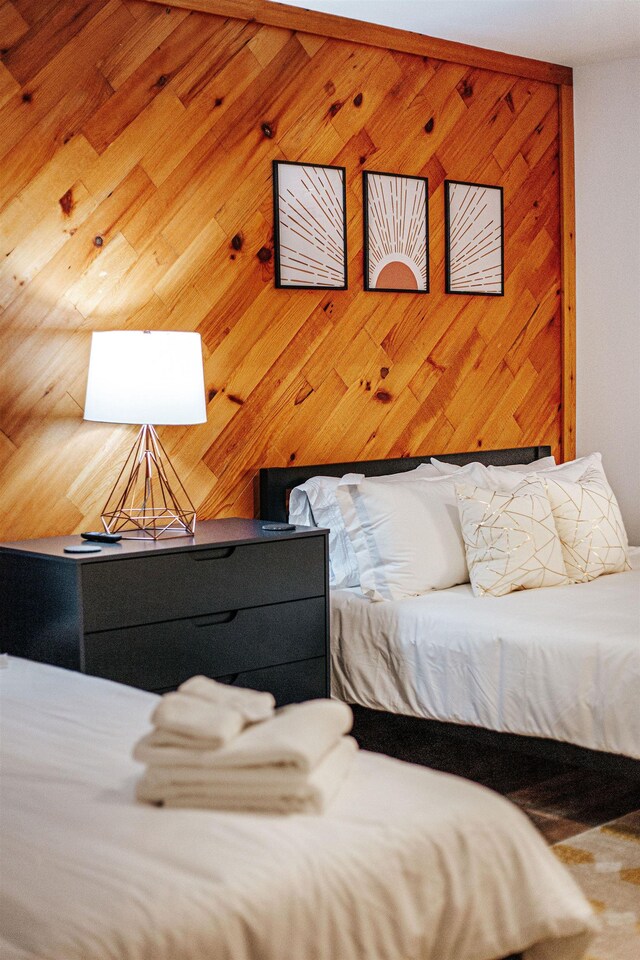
407,864
554,671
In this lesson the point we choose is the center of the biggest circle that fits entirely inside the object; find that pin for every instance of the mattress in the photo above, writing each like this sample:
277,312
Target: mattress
561,663
408,864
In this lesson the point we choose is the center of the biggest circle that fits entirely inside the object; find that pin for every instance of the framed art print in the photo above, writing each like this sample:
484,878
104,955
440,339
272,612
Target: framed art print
310,234
396,232
474,238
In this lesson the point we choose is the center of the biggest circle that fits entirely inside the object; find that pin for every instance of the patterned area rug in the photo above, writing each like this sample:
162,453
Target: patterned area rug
605,863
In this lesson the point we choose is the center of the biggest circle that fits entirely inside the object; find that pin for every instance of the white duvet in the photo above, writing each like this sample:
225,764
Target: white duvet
561,662
408,864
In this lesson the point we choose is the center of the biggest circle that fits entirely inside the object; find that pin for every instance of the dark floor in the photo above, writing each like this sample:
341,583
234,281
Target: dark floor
561,799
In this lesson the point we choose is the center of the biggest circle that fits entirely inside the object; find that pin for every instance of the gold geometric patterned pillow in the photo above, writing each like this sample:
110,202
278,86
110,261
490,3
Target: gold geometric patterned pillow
510,539
589,524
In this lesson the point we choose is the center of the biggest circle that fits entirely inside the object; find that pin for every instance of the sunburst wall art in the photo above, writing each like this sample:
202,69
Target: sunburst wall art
396,232
310,237
474,238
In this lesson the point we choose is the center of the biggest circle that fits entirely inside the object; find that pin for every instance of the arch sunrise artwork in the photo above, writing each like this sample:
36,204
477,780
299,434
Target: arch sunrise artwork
396,231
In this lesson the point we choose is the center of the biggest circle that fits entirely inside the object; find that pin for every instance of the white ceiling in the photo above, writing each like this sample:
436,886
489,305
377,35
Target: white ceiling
569,32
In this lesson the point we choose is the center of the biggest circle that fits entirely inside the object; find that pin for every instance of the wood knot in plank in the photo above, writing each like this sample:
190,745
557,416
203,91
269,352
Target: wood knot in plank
357,100
302,395
212,393
66,202
264,254
236,242
384,372
383,396
162,80
509,102
330,87
479,442
27,97
335,108
218,101
235,399
98,241
465,89
435,365
292,457
267,129
428,127
362,160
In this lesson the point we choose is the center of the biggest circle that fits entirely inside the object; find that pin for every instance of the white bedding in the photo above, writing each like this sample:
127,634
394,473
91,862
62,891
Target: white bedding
562,662
409,864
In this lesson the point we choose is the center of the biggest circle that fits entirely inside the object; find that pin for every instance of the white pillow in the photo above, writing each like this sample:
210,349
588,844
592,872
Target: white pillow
590,526
510,539
446,469
314,504
406,537
503,479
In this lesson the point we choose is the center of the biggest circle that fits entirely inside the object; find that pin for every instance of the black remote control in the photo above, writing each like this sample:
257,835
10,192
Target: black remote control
101,536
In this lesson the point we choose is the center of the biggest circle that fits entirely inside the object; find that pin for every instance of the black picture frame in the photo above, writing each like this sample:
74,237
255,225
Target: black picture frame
395,216
309,226
473,231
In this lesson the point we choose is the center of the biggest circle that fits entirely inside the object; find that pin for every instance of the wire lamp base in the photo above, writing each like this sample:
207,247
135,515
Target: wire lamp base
144,499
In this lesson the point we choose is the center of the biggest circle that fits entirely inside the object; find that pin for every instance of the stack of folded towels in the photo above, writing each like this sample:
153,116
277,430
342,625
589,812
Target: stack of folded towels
226,748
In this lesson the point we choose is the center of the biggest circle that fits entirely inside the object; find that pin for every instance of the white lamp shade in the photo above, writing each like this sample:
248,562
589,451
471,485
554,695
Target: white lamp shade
144,376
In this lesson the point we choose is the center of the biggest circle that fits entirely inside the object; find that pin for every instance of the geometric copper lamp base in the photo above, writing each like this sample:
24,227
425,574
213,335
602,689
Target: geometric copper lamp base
143,503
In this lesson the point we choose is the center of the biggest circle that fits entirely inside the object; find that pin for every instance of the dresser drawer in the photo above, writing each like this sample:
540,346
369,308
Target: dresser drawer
190,583
163,655
289,683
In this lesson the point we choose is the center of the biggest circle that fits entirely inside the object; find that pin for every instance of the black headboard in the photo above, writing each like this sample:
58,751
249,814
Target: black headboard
277,482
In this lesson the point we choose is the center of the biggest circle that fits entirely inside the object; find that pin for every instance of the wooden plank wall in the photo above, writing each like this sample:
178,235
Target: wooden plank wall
135,166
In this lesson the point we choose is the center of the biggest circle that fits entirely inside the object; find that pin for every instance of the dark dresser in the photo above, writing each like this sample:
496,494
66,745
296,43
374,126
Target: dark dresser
234,602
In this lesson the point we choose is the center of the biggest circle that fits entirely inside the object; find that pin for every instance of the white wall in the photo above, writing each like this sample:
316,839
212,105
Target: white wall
607,137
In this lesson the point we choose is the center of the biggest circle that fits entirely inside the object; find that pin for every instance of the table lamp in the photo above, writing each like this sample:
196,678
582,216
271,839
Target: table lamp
147,377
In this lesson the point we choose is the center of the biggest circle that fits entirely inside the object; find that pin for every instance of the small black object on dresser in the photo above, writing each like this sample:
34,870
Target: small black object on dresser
232,602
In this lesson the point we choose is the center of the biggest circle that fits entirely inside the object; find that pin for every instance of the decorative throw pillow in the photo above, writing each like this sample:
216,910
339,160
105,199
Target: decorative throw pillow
314,504
590,526
406,536
510,539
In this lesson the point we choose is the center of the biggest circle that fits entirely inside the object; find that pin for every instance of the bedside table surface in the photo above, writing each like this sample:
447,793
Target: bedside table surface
209,533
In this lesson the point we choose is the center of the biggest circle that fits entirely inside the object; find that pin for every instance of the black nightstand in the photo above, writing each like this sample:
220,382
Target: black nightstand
233,602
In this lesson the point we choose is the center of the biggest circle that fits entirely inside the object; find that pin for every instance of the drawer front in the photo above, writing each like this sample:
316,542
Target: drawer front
162,655
289,683
146,589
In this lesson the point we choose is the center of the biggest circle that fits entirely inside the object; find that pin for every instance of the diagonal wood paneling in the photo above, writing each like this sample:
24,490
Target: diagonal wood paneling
135,191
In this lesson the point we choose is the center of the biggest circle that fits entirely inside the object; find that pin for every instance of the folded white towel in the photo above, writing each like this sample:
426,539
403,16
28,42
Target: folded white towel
186,716
234,790
254,705
298,736
164,738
